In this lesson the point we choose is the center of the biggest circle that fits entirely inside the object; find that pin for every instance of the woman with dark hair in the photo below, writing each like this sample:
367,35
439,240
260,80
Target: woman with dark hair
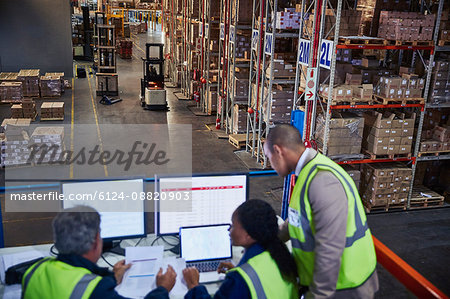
266,270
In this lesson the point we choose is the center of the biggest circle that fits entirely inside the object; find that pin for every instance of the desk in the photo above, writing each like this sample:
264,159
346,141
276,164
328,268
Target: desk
14,291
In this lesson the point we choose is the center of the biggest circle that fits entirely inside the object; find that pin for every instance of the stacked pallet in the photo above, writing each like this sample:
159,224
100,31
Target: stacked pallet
388,133
280,108
15,142
355,173
239,119
385,186
52,111
125,48
30,82
436,140
27,109
350,22
444,29
211,99
50,86
440,83
48,144
406,26
351,93
11,92
345,134
243,46
288,19
406,87
60,75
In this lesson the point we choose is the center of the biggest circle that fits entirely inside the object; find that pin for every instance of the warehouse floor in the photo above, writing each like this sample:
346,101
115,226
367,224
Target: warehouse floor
419,237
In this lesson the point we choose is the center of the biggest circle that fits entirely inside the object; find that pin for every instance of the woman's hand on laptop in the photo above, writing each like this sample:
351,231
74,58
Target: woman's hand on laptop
224,267
191,277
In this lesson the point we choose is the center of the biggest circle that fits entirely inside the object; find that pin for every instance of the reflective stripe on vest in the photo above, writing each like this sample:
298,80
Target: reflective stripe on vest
81,286
264,279
248,269
27,278
309,244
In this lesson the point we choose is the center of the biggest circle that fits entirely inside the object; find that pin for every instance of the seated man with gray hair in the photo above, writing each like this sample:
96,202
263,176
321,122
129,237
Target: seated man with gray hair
74,273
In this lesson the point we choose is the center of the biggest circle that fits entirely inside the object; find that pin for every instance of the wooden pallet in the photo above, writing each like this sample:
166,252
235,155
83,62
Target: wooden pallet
51,118
9,102
442,43
283,78
237,140
362,41
437,153
391,156
386,208
419,201
32,119
353,102
50,97
418,204
410,43
16,166
403,101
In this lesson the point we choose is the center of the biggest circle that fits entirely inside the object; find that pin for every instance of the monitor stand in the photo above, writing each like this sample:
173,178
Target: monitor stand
113,247
176,249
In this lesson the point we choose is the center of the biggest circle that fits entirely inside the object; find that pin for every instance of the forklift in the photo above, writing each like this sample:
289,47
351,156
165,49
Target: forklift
153,94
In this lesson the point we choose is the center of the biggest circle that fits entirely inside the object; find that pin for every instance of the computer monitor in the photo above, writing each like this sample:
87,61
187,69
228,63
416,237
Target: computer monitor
116,224
213,199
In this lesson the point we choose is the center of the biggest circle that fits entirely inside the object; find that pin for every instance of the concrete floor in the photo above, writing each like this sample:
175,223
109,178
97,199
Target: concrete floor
420,237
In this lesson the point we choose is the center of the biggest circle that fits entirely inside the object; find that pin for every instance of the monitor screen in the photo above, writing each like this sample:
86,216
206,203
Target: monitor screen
118,224
205,242
213,199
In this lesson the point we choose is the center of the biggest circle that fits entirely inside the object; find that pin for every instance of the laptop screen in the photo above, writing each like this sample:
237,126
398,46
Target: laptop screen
209,242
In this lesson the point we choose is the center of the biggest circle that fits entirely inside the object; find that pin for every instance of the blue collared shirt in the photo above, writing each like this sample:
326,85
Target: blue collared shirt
234,286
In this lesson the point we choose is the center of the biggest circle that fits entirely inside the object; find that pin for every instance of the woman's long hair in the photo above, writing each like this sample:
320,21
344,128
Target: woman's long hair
258,219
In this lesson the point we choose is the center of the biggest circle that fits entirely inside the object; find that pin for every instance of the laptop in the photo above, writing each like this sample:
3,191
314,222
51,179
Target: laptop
205,247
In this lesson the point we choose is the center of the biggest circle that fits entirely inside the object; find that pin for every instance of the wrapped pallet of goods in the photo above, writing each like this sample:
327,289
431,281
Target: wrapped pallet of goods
15,143
48,143
61,78
30,82
50,86
11,92
345,134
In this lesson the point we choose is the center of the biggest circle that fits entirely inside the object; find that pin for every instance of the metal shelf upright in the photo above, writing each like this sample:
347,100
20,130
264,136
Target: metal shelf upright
224,39
253,143
262,122
210,26
239,29
185,73
428,97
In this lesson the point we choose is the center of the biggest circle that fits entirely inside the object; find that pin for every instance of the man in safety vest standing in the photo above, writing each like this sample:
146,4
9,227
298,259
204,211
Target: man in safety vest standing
74,273
331,242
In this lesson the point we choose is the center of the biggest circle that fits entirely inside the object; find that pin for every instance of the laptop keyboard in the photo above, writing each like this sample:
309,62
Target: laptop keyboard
206,266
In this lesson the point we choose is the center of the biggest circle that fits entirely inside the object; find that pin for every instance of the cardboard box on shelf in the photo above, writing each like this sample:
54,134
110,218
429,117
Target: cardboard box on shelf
370,62
378,120
353,79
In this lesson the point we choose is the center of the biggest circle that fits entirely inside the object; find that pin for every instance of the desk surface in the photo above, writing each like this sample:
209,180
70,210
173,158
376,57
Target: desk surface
12,292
